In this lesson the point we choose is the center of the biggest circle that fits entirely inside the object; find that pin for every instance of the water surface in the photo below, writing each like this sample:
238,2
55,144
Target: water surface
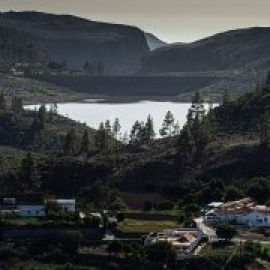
93,113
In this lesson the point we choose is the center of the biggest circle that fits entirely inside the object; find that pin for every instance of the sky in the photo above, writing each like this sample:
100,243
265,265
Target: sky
170,20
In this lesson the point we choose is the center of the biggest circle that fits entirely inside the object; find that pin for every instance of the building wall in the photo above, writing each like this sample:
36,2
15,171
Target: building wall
68,206
258,219
31,210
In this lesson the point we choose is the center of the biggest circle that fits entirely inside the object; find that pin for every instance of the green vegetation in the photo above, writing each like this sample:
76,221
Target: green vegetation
225,232
145,226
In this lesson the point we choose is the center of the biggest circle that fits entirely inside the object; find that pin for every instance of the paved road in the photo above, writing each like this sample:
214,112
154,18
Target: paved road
210,232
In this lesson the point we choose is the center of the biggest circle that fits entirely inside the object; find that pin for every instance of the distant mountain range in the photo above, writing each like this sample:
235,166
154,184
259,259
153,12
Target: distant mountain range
75,41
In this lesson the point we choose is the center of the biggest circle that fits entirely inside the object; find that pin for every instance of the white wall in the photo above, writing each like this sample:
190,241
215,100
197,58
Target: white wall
68,206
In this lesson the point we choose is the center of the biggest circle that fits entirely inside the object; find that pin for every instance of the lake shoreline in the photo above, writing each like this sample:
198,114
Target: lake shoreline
109,99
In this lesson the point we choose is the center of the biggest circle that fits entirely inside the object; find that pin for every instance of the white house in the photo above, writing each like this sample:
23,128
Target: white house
183,240
66,205
242,212
34,206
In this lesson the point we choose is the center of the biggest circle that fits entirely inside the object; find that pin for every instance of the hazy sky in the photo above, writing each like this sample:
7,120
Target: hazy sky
171,20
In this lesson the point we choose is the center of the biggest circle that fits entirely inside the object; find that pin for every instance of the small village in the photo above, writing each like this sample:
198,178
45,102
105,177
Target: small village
36,218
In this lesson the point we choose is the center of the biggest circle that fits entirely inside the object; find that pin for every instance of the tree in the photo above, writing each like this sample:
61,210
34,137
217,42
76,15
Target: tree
28,174
226,97
147,206
135,132
85,143
53,111
3,104
72,240
167,129
108,128
226,232
186,142
125,138
101,137
166,253
17,105
197,108
176,129
116,128
120,216
265,130
232,193
70,143
41,116
114,247
197,98
149,128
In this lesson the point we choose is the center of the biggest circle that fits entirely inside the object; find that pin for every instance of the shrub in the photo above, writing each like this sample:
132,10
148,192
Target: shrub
147,206
165,206
120,217
114,247
226,232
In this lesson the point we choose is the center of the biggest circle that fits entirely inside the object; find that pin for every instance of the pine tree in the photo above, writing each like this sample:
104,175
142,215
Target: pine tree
29,177
41,116
116,128
70,143
125,138
52,111
100,137
197,107
187,142
149,128
3,105
17,105
176,129
168,125
108,128
85,143
226,97
135,132
197,98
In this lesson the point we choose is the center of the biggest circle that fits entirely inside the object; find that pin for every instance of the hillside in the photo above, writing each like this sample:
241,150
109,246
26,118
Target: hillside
15,47
233,155
237,57
64,38
237,49
236,150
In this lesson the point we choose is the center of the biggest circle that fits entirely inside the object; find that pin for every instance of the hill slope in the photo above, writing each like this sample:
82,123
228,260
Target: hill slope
75,41
236,49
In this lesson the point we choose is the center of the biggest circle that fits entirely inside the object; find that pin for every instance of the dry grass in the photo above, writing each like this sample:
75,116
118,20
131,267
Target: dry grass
145,226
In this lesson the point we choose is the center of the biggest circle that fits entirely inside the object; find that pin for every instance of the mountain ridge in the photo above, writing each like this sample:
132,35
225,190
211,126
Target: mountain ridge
232,49
75,41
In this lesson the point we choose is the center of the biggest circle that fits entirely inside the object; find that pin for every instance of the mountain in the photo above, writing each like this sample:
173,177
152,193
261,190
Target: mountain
237,49
154,42
75,41
234,61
